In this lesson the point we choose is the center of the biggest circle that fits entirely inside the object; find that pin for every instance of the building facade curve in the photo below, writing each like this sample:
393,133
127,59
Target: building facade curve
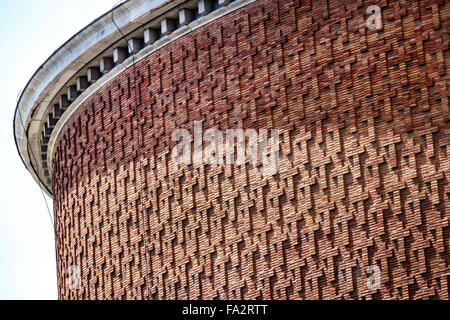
358,206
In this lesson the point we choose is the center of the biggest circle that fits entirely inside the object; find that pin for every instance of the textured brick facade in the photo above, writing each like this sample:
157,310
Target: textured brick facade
364,163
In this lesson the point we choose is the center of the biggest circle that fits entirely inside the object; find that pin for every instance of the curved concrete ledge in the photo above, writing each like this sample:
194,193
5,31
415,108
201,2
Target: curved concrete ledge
148,25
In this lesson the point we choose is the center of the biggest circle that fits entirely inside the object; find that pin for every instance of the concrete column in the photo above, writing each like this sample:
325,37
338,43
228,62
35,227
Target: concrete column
106,64
120,54
82,84
204,7
44,139
51,122
168,26
93,74
150,35
47,130
186,16
134,45
56,112
64,103
72,93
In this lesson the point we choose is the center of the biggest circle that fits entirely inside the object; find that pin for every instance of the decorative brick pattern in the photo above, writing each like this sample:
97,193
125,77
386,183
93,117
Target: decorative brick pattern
364,165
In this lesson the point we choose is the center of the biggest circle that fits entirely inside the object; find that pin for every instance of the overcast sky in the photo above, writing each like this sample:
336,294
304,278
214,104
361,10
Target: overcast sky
30,30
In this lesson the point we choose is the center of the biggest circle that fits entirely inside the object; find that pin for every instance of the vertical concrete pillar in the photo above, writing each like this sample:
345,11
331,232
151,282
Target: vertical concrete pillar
186,16
106,64
93,74
204,7
150,35
134,45
168,26
120,54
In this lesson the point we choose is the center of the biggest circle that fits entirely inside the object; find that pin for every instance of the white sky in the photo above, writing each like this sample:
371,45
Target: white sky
30,30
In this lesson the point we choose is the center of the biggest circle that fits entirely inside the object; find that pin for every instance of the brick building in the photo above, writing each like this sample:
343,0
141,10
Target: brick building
362,187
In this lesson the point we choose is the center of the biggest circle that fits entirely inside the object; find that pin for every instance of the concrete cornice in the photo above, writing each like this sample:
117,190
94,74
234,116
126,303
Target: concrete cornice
83,51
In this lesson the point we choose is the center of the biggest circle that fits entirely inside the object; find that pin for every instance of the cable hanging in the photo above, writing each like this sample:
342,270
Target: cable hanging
30,151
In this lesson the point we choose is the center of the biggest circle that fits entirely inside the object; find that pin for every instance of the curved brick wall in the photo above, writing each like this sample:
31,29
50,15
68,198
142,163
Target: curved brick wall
364,162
